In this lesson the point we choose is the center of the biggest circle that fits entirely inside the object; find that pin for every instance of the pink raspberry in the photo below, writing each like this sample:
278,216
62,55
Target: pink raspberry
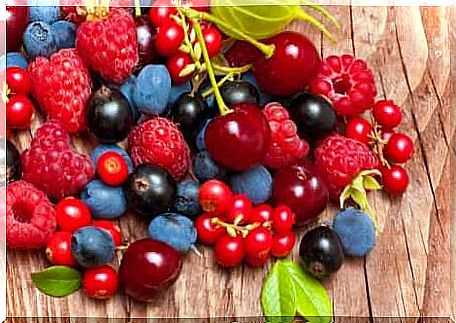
286,147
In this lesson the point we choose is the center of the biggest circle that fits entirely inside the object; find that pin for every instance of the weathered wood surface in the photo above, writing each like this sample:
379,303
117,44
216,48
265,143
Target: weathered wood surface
408,273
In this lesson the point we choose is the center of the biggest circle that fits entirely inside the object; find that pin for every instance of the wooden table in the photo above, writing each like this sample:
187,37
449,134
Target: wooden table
408,273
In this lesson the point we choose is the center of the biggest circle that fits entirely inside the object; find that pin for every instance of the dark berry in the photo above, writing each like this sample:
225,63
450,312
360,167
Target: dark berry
13,163
236,92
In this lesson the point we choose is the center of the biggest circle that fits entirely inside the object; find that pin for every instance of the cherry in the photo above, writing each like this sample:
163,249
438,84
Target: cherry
19,112
399,148
258,242
112,228
395,180
359,129
58,249
169,38
213,39
215,197
242,53
16,21
160,13
261,213
294,63
100,282
18,80
240,139
387,114
283,243
229,251
239,209
112,168
160,266
72,214
283,219
176,64
208,232
302,189
145,34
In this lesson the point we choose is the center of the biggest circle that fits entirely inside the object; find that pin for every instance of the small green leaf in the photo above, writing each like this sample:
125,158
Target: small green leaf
360,199
57,281
370,183
357,183
198,51
187,70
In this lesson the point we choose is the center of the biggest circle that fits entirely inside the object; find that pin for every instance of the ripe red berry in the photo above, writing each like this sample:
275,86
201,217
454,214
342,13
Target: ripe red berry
283,219
283,243
100,282
58,249
72,214
176,64
229,251
256,261
261,213
395,180
112,228
399,148
213,39
239,210
359,129
258,242
387,114
18,80
112,168
215,197
19,112
208,232
160,13
169,38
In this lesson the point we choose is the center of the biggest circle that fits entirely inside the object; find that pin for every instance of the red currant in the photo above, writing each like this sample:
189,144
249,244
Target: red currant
283,243
395,180
258,242
283,219
169,38
100,282
208,232
387,134
215,197
19,112
229,251
399,148
256,261
240,209
160,13
112,168
18,80
261,213
387,114
359,129
72,214
213,39
112,228
58,249
176,64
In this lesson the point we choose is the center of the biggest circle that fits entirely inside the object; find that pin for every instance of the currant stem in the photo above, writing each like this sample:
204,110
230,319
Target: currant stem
187,41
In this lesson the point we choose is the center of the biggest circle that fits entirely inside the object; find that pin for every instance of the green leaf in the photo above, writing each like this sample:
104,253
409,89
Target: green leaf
187,70
57,281
357,184
198,51
370,183
360,199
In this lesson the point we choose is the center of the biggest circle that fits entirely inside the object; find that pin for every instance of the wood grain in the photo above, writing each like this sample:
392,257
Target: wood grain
408,274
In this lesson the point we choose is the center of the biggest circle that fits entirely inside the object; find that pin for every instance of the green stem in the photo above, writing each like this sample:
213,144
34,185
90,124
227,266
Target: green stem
219,84
187,41
137,8
232,70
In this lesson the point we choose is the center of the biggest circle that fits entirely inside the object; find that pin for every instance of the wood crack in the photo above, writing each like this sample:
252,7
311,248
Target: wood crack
369,302
440,103
410,262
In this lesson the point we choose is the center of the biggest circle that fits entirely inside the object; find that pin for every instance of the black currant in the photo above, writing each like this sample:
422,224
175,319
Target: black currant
13,163
236,92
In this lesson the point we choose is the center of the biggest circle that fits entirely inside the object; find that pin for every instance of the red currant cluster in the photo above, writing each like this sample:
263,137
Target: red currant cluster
240,231
390,146
176,41
19,108
72,214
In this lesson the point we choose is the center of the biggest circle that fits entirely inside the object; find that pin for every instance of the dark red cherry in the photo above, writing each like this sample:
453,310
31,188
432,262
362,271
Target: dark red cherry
145,33
16,22
291,67
238,140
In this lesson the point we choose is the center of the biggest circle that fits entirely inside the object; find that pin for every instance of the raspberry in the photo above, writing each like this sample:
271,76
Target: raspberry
30,216
62,87
158,141
286,146
347,82
51,164
109,45
340,159
75,14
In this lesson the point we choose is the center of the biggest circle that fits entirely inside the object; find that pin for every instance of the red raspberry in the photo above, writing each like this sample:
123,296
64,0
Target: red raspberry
109,45
30,216
347,82
62,87
286,146
51,164
76,14
340,159
158,141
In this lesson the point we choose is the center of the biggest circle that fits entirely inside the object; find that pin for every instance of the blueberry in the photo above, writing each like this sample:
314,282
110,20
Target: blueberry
40,39
187,201
174,229
264,98
92,247
255,182
66,33
105,202
152,89
205,168
48,14
176,91
101,149
16,59
127,90
200,143
356,231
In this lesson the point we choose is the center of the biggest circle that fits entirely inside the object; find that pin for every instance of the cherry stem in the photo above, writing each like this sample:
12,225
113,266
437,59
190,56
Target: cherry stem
137,8
219,84
232,70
